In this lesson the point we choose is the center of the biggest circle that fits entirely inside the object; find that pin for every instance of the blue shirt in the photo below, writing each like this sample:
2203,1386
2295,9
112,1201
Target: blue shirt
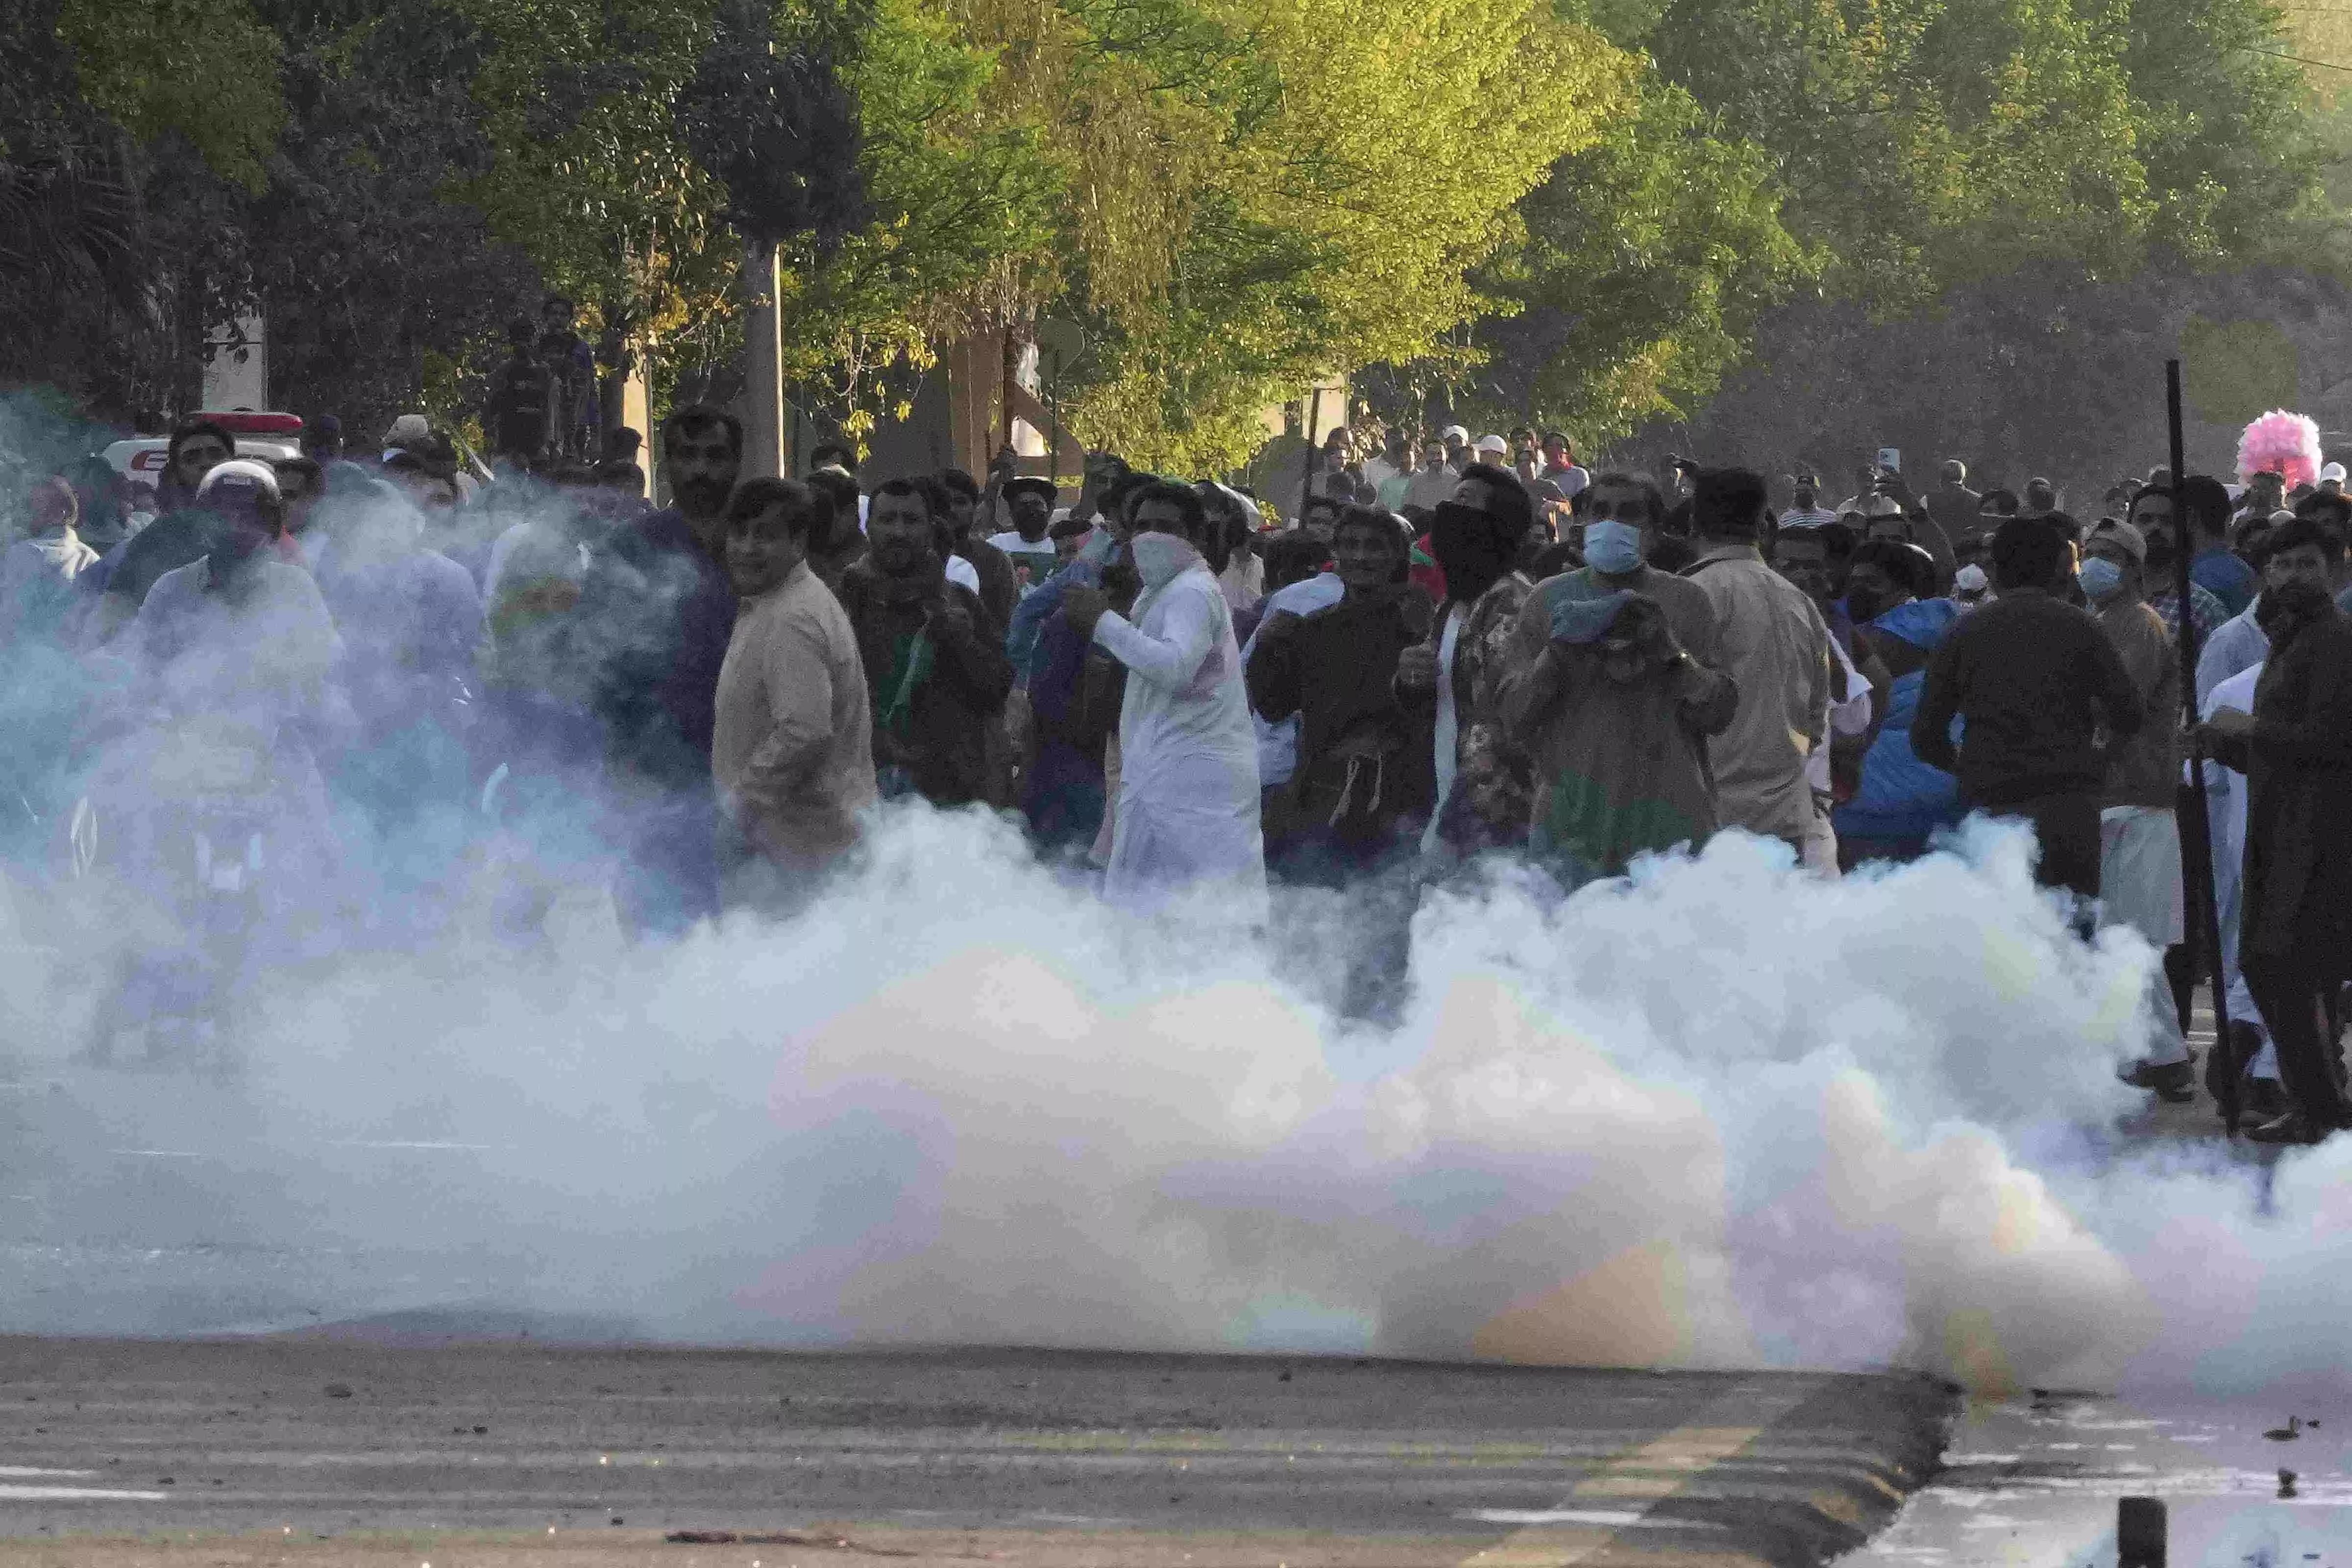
2225,576
2237,645
1039,604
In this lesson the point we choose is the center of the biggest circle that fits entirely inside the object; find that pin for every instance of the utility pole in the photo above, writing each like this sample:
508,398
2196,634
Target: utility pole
763,363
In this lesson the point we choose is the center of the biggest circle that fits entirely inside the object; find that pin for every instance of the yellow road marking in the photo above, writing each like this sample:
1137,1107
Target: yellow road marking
1630,1485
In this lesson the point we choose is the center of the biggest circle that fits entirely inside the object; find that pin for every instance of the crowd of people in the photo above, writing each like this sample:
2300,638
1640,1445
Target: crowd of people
337,677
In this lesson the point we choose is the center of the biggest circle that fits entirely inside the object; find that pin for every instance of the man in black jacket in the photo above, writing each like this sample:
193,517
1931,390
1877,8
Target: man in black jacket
2294,933
2037,682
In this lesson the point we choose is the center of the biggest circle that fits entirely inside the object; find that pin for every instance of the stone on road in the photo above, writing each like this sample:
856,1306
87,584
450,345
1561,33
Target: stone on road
334,1449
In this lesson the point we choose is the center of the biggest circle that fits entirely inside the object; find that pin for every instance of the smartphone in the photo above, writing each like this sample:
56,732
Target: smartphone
1890,460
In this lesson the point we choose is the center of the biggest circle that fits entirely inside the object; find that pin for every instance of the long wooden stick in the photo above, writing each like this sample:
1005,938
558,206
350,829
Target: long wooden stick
2223,1068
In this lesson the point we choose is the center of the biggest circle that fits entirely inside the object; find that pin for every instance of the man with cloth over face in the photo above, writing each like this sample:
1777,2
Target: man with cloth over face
1187,812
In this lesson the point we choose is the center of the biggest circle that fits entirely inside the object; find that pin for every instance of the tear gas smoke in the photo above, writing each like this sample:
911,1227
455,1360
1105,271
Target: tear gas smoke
1720,1114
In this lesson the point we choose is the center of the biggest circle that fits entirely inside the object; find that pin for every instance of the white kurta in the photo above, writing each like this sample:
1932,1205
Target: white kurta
1188,787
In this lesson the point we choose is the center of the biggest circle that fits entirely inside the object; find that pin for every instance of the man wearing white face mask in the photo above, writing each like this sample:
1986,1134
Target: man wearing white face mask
1187,813
1612,684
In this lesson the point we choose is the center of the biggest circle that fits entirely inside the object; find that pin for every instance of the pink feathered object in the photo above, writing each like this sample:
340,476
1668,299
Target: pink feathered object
2280,443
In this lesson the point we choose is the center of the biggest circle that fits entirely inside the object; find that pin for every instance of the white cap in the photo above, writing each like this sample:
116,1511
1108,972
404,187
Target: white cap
2332,471
1493,444
1455,433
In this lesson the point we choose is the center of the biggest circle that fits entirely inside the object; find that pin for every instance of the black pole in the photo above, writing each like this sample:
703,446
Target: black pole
1307,469
2223,1068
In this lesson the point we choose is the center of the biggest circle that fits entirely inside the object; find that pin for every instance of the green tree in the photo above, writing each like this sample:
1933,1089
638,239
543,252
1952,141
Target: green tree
1264,193
1648,258
205,69
1923,143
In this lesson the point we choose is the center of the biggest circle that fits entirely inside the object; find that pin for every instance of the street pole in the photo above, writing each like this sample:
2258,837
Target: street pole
763,363
1307,463
2223,1070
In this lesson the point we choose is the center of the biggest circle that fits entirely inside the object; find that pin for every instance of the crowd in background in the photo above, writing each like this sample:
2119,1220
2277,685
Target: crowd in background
332,685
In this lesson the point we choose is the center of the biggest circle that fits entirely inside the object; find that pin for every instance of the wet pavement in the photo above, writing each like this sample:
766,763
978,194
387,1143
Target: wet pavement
2035,1484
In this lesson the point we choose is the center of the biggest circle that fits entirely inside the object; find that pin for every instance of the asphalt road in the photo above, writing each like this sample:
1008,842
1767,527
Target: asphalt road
301,1447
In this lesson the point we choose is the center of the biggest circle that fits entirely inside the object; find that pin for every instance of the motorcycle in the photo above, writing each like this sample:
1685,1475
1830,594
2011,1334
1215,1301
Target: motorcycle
194,815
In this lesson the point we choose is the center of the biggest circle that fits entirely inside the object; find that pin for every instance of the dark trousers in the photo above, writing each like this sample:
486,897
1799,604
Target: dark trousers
669,872
2297,996
2067,827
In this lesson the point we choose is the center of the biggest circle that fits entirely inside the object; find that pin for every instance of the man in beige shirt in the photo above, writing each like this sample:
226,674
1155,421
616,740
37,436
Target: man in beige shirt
1777,647
792,752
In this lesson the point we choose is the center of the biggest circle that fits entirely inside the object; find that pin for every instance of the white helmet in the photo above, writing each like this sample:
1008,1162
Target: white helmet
239,479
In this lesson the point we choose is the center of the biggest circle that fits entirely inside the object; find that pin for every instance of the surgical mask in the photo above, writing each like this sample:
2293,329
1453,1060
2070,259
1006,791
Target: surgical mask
1613,548
1158,557
2100,578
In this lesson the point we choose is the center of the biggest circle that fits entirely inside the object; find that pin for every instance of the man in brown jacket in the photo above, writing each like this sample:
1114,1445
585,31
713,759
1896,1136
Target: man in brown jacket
2140,841
794,750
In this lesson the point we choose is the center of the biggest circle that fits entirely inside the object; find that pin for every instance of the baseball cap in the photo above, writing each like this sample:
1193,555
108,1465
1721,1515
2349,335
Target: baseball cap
2134,542
2332,471
1455,433
1491,443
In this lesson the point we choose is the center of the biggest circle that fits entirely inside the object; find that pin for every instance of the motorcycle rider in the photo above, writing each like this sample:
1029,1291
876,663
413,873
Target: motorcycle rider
230,700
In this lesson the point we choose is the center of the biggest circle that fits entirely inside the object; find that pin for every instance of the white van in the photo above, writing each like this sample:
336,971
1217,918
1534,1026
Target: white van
269,436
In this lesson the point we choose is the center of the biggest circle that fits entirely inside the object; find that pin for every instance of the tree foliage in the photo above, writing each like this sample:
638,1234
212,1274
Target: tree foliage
1648,258
1887,154
205,69
1259,194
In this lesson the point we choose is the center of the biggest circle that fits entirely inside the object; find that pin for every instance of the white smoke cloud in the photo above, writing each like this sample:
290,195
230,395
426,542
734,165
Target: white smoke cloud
1722,1115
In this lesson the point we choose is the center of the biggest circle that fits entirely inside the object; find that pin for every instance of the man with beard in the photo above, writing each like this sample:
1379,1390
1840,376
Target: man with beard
793,748
2212,567
1482,538
1186,816
2151,512
1363,764
1778,644
936,671
1610,684
655,613
2294,933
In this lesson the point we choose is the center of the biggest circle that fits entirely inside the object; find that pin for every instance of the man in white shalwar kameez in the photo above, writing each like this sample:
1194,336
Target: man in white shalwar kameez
1187,815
